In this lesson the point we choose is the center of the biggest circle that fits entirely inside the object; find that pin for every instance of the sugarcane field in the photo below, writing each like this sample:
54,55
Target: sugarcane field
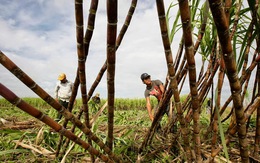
130,81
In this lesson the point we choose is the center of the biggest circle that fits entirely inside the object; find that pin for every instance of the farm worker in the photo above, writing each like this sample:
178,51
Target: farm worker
95,103
209,106
63,90
96,98
154,88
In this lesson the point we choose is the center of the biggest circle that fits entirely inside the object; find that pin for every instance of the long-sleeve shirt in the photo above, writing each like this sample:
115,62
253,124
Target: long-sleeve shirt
63,90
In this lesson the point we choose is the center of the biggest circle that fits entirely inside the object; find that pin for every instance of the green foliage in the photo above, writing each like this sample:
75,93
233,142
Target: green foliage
175,26
50,138
9,110
7,147
6,136
130,117
12,151
93,107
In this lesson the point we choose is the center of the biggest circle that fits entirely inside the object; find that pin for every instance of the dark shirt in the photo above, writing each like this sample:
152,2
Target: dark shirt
96,99
154,90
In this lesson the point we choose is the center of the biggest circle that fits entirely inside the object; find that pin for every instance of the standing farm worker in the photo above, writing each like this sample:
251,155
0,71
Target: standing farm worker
63,90
154,88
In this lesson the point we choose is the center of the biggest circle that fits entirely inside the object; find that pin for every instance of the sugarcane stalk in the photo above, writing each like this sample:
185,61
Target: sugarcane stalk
104,67
235,23
111,65
184,66
242,80
257,132
81,61
90,25
87,39
157,117
15,100
230,63
81,56
189,52
23,77
118,42
215,113
173,85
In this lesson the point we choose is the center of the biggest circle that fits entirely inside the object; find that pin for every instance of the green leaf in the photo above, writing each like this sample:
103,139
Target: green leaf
13,151
221,131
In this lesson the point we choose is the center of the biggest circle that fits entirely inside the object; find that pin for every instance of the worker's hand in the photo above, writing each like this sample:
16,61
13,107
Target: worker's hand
151,117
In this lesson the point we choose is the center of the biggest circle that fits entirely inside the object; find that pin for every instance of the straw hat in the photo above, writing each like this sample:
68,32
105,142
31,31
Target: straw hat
62,76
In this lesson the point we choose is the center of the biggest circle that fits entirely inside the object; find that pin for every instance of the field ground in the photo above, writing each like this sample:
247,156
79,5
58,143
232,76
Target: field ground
25,139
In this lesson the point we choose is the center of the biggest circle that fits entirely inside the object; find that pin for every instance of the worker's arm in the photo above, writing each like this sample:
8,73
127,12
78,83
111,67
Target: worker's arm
149,107
161,88
56,92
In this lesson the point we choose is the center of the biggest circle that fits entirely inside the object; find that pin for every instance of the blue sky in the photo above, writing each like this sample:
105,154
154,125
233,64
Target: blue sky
40,37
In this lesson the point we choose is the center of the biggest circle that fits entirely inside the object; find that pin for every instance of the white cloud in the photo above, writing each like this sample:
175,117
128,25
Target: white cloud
40,37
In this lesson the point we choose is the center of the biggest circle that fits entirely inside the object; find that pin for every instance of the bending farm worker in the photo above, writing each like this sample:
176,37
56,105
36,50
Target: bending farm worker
96,98
154,88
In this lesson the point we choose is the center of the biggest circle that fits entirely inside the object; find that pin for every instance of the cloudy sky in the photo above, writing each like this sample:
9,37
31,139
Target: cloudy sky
40,37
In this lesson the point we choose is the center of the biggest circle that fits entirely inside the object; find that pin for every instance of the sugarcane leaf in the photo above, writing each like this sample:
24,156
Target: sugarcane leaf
11,151
221,131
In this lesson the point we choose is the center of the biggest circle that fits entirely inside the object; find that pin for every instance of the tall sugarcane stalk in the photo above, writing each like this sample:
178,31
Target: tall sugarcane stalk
228,4
87,39
247,114
257,132
203,83
104,67
231,69
215,126
247,48
243,78
157,118
189,52
81,56
178,56
88,36
203,90
235,23
202,27
9,65
81,61
208,81
184,66
90,25
111,65
232,128
173,85
167,94
14,99
118,42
